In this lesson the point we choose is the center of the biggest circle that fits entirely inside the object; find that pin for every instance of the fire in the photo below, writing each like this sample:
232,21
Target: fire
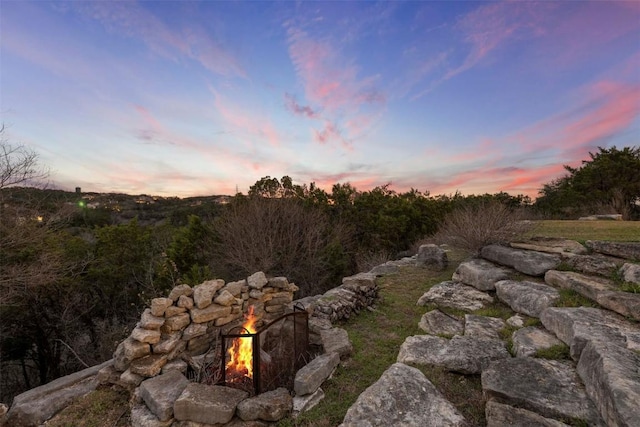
241,351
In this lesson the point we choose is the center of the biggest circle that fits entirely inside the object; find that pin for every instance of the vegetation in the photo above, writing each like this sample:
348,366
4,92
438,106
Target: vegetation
617,231
556,352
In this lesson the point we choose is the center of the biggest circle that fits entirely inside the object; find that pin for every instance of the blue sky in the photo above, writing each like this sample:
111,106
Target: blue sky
195,98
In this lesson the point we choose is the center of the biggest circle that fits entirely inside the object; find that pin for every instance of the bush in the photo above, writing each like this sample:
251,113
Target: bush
471,227
281,237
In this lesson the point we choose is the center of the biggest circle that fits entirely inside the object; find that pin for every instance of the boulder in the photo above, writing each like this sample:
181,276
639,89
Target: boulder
455,295
611,375
551,245
466,355
179,291
624,303
385,269
402,396
433,257
526,297
436,322
548,387
483,327
257,280
500,415
204,292
627,250
527,262
270,406
336,340
480,274
311,376
161,392
630,273
593,264
208,404
527,341
35,406
576,326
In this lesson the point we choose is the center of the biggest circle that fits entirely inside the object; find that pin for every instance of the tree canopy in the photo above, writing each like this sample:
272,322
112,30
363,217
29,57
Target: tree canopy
608,181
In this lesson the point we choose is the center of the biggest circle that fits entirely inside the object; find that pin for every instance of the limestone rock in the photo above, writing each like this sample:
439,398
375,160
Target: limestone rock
175,365
141,416
627,250
336,340
148,366
208,404
432,257
204,292
587,286
436,322
178,322
385,269
179,291
576,326
611,375
527,262
160,393
194,330
526,297
145,335
304,403
35,406
211,312
551,245
624,303
466,355
630,273
527,341
500,415
257,280
270,406
129,379
402,396
224,298
185,302
480,274
548,387
167,343
159,305
149,321
482,327
593,264
127,351
235,288
174,311
517,321
313,374
455,295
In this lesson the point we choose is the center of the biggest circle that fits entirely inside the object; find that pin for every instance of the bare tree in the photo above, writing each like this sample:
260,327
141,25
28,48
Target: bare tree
18,164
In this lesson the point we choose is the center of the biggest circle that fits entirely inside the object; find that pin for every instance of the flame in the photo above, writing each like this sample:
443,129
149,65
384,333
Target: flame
241,351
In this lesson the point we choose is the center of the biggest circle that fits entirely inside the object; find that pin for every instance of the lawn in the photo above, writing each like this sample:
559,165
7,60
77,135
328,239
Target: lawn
620,231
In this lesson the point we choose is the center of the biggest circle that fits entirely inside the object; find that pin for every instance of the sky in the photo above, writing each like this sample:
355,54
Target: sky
194,98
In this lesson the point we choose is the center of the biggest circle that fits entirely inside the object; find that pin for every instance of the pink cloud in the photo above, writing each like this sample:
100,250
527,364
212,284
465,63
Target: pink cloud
343,97
292,105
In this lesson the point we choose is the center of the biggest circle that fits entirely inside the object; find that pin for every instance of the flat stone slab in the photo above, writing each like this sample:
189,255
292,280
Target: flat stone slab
611,375
304,403
501,415
270,406
528,262
208,404
576,326
385,269
311,376
436,322
527,341
480,274
455,295
483,327
627,250
402,396
551,245
547,387
526,297
161,392
594,264
466,355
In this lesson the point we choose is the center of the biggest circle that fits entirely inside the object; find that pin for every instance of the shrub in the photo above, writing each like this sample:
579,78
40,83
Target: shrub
281,237
471,227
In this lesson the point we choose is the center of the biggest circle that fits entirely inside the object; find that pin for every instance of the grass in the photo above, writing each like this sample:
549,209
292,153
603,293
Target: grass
556,352
620,231
570,298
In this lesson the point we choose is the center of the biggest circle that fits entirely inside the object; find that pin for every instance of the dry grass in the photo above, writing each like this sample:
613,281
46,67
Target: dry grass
619,231
101,408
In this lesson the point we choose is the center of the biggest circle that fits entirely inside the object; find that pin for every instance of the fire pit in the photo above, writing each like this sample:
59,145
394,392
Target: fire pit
260,360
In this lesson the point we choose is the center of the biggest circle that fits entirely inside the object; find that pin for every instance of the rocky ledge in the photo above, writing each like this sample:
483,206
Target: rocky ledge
597,385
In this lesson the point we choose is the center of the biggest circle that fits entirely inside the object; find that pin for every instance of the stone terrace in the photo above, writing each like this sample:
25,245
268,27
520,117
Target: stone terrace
599,386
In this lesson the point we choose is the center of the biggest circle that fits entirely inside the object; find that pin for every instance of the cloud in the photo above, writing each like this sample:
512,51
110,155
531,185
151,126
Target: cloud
131,19
292,105
332,83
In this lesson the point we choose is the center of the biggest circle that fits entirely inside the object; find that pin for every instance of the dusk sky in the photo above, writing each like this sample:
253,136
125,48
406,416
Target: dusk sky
186,98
